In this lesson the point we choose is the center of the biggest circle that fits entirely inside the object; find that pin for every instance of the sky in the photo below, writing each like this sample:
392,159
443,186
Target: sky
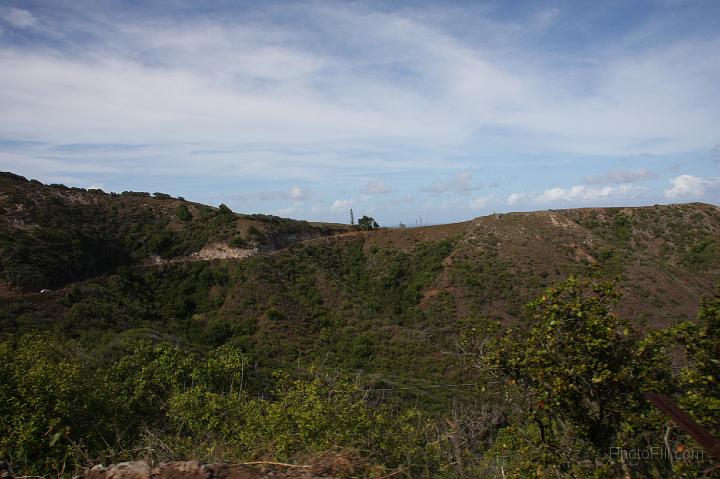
406,111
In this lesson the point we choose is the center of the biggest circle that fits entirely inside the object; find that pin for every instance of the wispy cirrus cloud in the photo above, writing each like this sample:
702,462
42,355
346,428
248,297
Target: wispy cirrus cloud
482,202
621,176
460,183
17,17
377,187
341,205
295,193
207,80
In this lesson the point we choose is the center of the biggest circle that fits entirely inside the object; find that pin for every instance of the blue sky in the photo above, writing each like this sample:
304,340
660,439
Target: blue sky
399,110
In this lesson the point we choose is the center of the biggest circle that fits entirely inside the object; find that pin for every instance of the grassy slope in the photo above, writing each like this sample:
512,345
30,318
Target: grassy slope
388,302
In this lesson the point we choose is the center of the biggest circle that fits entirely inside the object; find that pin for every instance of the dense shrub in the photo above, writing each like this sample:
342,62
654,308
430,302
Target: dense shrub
577,373
367,223
58,410
183,213
47,403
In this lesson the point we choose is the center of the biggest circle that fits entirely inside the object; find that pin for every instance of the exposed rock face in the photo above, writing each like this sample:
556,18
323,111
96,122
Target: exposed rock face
209,252
222,251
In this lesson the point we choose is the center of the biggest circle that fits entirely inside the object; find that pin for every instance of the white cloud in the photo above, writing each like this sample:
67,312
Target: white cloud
481,202
515,198
340,205
295,193
437,187
18,18
290,210
621,176
212,81
585,193
298,194
460,183
377,187
690,186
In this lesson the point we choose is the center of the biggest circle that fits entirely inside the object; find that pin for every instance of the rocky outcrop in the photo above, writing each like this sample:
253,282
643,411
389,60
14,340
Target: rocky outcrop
222,251
209,252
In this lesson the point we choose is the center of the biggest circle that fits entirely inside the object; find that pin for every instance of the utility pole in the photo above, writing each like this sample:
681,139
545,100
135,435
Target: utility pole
352,218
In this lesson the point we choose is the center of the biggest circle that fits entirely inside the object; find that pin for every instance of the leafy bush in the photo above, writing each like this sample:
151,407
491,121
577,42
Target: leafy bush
58,409
307,417
703,254
46,403
367,223
238,242
578,372
183,213
700,379
256,235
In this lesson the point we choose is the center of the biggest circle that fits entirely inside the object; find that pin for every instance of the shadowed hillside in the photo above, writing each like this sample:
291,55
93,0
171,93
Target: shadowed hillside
53,235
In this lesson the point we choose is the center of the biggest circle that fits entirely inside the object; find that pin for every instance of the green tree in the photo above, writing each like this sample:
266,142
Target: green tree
576,368
367,223
183,213
143,379
700,379
699,382
46,403
224,210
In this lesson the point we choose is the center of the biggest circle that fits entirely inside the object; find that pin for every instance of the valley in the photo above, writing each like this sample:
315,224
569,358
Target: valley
390,308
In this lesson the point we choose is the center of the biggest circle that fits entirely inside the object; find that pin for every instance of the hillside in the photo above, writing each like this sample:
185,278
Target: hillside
387,305
53,235
389,301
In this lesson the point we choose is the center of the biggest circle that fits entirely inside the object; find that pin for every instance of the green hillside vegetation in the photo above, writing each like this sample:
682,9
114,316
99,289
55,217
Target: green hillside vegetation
51,236
444,351
552,396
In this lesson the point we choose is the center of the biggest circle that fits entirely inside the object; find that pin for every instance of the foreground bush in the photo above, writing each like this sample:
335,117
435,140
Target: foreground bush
576,373
558,393
158,402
